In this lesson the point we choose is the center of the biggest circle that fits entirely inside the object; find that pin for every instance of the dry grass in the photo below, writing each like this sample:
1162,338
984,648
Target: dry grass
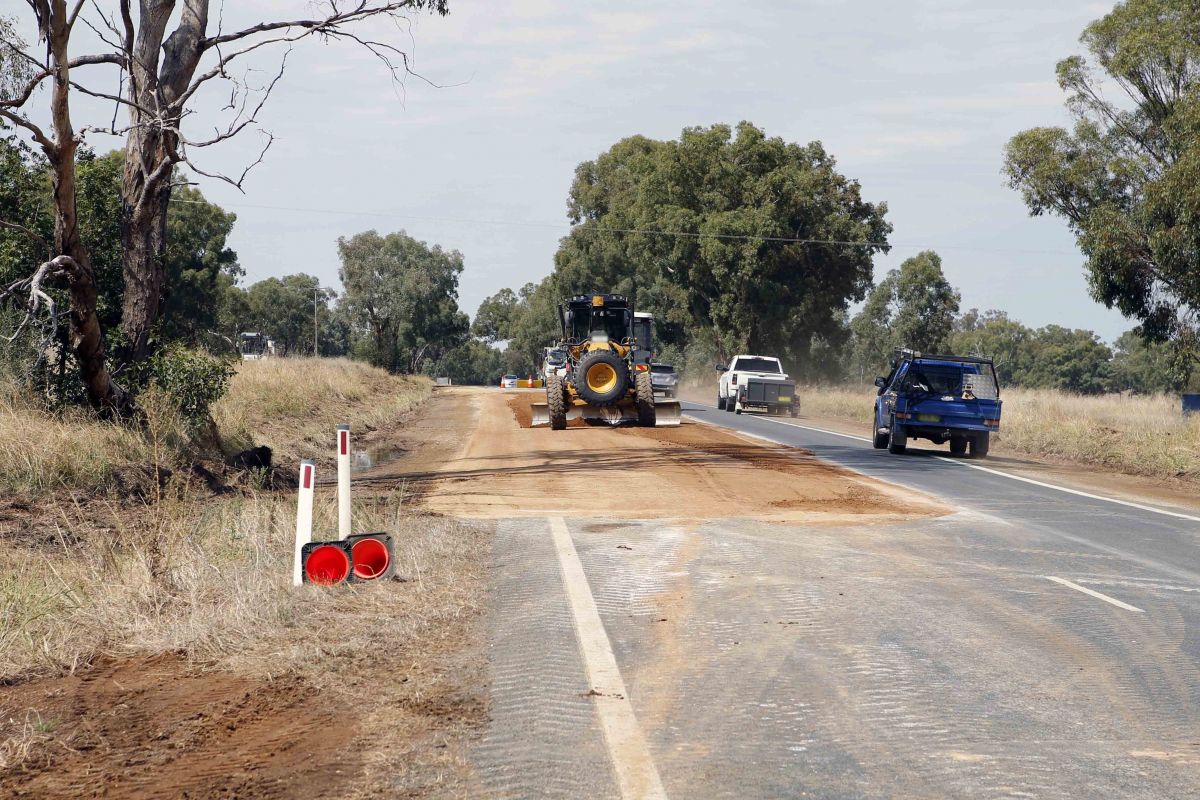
292,404
40,452
1137,435
212,578
183,570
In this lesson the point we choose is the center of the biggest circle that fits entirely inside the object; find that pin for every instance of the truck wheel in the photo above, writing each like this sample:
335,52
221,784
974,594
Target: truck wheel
556,403
720,403
958,445
897,439
979,445
879,440
602,378
794,412
643,397
730,403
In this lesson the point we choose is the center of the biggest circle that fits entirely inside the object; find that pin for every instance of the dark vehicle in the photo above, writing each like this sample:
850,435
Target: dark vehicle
952,399
665,380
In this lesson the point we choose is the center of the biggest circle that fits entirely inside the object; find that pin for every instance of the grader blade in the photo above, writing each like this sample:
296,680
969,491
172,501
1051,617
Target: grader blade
667,413
541,414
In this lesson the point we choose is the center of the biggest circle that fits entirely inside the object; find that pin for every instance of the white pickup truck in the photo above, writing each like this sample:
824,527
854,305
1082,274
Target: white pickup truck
756,383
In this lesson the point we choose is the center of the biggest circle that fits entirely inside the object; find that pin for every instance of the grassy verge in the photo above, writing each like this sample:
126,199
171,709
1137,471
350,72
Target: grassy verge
180,570
1136,435
91,574
290,405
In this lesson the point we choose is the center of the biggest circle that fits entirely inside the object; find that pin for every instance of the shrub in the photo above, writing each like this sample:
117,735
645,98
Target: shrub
194,379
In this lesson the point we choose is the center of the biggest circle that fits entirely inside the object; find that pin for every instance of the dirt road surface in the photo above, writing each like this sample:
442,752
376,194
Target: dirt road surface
700,613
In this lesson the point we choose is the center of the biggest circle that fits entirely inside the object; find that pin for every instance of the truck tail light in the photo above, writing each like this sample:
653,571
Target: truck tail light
733,379
903,415
992,423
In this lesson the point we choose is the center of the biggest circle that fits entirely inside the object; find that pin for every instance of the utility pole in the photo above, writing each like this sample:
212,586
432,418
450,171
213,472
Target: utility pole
316,323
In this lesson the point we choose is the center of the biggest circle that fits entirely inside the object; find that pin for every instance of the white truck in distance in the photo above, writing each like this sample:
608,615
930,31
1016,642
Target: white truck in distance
756,383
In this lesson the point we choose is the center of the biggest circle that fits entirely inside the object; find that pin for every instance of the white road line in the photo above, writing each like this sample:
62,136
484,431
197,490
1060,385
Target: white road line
1093,593
637,776
960,463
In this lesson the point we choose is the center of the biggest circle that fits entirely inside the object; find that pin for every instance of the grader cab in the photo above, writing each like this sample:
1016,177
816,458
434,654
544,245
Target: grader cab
608,367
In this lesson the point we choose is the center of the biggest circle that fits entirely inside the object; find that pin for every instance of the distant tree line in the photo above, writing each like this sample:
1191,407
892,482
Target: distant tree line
742,243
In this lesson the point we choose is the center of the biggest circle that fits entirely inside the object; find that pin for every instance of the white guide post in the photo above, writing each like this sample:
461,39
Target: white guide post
304,515
343,490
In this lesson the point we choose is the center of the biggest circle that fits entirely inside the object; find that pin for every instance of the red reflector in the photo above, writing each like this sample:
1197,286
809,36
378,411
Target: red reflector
641,367
306,481
371,558
903,415
343,442
327,565
995,423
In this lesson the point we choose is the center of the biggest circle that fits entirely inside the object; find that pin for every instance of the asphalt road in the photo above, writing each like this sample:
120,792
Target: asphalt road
1034,643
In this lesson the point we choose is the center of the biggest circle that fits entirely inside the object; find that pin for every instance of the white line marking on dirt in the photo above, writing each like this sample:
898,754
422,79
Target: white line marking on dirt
960,463
1093,593
637,776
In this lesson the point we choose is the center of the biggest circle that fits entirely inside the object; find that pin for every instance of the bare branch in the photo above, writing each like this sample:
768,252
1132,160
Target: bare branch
32,234
361,11
75,13
237,184
239,122
36,297
38,134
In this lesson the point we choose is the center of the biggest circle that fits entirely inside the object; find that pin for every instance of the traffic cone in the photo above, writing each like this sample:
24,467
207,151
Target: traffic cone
372,556
326,563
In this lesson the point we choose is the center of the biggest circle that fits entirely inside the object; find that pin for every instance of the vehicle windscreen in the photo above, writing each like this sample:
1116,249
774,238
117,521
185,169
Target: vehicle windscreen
756,365
661,368
556,356
611,322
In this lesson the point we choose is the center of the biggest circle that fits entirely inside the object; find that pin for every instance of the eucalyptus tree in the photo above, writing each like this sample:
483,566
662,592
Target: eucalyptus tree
1126,175
757,243
164,55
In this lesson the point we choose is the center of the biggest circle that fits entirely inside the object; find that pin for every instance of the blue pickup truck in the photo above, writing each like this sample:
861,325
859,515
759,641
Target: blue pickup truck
952,399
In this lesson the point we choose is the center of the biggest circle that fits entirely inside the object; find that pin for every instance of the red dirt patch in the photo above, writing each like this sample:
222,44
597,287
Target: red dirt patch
519,404
153,727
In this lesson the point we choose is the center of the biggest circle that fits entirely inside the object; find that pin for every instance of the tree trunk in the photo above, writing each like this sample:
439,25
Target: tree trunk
143,236
146,183
85,337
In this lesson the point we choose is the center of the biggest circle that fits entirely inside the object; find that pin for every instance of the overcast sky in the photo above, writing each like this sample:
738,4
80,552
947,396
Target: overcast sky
914,99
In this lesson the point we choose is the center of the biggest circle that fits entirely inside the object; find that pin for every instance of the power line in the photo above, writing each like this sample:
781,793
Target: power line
641,231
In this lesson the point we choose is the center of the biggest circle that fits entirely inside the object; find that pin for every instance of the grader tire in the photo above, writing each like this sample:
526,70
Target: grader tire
644,398
602,378
556,403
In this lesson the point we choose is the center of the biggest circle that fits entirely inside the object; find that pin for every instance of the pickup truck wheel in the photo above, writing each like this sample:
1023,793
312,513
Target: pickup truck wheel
897,439
879,440
730,402
979,445
720,403
958,445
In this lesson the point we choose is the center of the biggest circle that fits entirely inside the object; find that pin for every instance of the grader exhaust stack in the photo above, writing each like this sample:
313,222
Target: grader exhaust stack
608,376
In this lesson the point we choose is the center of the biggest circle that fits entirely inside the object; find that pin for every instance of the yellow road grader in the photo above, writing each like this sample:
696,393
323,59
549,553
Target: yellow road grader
608,367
